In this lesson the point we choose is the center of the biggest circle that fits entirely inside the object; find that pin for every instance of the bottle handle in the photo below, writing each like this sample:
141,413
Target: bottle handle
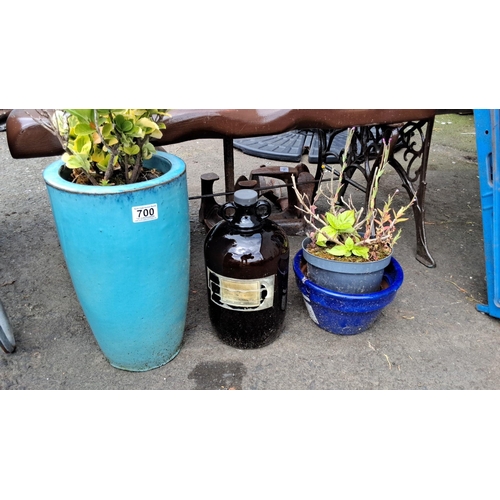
228,211
262,210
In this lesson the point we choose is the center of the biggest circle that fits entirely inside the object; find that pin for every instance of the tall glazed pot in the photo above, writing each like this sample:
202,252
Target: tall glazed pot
127,252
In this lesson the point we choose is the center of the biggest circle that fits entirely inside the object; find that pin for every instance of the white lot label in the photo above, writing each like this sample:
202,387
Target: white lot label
145,213
310,309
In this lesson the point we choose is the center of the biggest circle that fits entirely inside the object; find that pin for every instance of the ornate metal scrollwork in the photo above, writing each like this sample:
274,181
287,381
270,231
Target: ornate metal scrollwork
412,139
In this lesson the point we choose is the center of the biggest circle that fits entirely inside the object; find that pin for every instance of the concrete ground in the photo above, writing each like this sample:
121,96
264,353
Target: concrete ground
430,337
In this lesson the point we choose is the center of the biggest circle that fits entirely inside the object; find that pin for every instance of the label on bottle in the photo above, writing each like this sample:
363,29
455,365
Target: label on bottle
241,295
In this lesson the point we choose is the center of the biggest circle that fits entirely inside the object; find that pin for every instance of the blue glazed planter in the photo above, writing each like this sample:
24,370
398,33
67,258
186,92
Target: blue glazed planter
342,313
127,252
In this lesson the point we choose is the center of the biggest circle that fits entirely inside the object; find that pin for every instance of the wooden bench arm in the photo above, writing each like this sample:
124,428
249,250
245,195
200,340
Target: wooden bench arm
28,139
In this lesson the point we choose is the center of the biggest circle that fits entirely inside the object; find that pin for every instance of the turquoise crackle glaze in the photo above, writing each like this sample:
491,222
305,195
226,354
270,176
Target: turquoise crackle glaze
127,252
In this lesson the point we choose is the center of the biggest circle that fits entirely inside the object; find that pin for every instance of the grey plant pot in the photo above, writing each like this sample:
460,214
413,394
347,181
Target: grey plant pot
345,277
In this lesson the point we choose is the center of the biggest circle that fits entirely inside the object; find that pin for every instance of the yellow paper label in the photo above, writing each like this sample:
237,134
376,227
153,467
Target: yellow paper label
241,295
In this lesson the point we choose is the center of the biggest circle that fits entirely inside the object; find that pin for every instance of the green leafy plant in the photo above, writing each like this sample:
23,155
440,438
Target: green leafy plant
344,232
105,146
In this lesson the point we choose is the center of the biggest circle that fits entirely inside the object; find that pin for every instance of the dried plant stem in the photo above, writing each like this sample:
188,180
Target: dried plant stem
343,230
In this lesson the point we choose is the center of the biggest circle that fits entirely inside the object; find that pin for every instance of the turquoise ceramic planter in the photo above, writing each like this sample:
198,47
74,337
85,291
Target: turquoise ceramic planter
127,252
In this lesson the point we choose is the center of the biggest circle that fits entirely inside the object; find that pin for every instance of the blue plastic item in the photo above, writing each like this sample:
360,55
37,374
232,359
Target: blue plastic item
290,146
283,147
342,313
487,123
127,252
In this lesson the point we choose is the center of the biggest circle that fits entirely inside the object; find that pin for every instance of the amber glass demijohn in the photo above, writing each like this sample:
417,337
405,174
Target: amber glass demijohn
246,262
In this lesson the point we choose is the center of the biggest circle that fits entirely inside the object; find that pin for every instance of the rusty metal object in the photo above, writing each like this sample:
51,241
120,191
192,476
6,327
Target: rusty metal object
288,216
287,204
209,208
244,183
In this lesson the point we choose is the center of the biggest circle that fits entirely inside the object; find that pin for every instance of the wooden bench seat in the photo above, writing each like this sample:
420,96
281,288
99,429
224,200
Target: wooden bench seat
28,139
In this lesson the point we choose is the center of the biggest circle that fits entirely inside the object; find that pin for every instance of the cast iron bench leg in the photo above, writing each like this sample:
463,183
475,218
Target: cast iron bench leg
229,167
413,150
413,139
